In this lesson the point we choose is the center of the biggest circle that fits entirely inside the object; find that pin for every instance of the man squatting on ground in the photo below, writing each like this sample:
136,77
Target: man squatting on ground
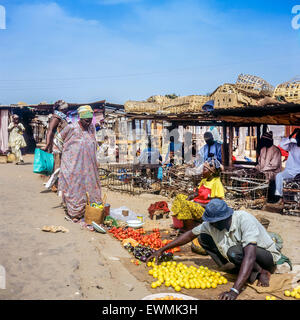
234,237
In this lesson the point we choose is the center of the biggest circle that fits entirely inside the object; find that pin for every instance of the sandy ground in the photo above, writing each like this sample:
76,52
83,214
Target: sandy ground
79,264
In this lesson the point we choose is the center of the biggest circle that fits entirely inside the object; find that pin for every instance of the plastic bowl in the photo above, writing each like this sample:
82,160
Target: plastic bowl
134,222
98,228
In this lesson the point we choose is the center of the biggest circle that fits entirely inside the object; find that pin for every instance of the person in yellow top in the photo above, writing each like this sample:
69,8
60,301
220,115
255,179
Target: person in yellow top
190,209
16,139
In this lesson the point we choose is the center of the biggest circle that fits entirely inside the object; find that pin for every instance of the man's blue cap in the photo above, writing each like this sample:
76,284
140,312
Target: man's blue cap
216,210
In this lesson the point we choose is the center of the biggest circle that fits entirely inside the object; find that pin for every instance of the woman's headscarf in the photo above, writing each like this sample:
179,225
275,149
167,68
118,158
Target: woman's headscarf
214,166
85,112
60,105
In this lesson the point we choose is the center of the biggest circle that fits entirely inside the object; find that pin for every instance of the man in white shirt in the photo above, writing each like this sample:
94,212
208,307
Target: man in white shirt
236,237
292,167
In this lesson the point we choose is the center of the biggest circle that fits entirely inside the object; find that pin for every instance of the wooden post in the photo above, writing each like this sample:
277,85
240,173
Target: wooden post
117,130
250,141
258,142
224,147
133,146
230,147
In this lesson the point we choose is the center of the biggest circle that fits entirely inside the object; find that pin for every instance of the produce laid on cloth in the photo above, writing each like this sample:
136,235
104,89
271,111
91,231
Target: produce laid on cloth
152,240
54,229
295,293
179,275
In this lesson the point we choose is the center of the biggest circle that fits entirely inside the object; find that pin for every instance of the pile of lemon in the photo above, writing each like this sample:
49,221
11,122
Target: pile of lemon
295,293
179,275
270,298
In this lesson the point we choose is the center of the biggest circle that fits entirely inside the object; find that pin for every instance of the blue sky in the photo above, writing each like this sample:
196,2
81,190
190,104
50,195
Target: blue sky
85,50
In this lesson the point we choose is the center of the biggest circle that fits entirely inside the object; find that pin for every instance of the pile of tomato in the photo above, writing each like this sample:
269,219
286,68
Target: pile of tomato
152,240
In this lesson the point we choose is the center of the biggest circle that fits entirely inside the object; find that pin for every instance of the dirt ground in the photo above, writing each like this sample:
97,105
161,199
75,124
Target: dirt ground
80,264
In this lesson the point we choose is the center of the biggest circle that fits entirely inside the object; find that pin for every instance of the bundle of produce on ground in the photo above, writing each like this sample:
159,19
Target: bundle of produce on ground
152,240
295,293
179,275
142,253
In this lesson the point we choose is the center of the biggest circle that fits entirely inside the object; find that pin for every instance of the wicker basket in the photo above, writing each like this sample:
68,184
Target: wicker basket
3,159
93,214
290,90
141,107
161,104
254,85
229,96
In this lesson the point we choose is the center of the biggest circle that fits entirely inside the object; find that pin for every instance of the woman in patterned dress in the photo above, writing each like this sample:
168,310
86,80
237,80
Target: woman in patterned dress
78,170
190,209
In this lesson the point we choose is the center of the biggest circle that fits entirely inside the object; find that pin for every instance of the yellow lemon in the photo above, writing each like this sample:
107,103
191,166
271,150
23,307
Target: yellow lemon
177,288
187,285
203,286
167,283
268,298
155,275
297,296
273,298
293,294
225,281
192,285
287,293
220,281
153,285
149,264
150,272
214,285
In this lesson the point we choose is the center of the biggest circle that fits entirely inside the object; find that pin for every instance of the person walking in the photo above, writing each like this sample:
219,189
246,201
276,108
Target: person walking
16,139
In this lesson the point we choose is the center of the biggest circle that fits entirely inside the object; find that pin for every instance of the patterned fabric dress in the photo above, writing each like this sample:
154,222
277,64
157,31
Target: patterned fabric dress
207,190
79,173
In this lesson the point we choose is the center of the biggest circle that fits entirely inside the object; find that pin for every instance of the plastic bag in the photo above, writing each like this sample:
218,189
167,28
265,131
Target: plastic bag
117,214
43,162
160,173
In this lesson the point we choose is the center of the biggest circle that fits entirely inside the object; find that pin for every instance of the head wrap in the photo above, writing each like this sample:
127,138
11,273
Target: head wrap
214,166
268,135
60,105
85,112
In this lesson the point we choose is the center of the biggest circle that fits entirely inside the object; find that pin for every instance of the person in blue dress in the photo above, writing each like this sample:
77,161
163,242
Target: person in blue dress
211,150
